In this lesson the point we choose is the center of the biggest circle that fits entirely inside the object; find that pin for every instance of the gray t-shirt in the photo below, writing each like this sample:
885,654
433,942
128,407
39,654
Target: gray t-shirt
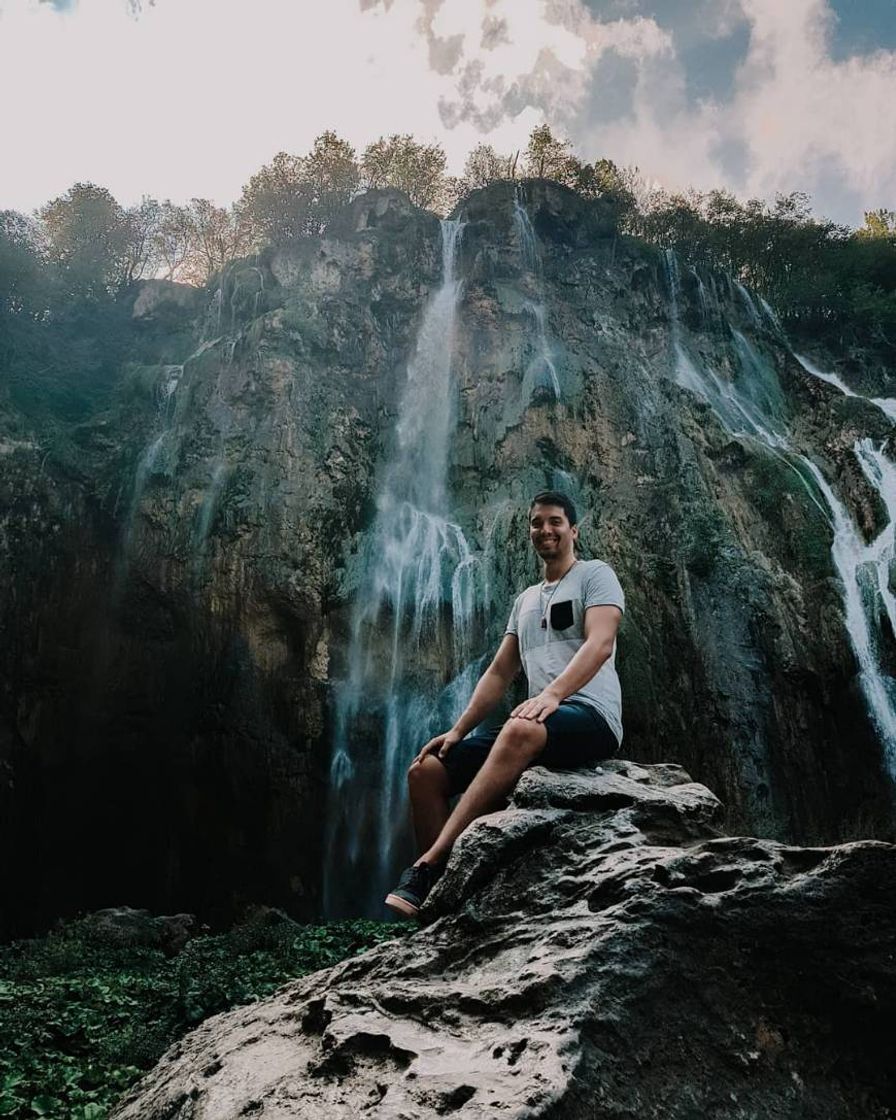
545,652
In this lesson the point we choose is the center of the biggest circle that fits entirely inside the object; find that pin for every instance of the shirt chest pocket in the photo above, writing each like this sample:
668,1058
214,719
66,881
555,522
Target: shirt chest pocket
562,616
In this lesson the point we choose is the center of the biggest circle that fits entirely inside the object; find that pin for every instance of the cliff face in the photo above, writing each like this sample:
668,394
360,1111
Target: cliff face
188,572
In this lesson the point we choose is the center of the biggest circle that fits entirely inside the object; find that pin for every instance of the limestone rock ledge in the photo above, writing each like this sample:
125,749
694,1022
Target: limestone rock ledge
596,950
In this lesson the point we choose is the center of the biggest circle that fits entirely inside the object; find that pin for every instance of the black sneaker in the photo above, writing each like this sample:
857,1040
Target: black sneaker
413,887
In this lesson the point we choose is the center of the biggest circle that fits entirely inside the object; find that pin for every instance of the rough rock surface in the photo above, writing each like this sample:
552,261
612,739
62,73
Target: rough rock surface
596,950
123,925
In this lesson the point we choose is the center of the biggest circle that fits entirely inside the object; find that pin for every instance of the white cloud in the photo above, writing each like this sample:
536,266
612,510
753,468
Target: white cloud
806,117
544,62
801,120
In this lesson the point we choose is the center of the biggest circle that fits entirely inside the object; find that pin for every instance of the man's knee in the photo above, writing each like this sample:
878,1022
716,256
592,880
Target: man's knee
522,738
428,774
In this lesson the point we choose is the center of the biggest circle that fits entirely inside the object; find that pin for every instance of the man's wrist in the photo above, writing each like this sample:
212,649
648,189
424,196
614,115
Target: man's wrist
555,693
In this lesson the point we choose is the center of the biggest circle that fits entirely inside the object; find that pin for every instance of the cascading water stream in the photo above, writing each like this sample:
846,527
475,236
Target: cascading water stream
418,572
851,555
526,236
146,464
205,516
544,369
542,372
162,447
885,404
881,552
753,417
750,307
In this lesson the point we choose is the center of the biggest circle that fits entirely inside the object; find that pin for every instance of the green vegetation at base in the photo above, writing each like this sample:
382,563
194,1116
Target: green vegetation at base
81,1019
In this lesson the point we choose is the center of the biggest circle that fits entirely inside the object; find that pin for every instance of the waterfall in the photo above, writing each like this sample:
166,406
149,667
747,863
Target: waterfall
159,453
165,392
145,466
851,556
541,373
418,585
752,416
205,515
770,315
885,404
526,236
881,473
751,309
701,295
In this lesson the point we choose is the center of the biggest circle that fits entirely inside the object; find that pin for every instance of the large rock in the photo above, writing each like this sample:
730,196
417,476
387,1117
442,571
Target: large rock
597,950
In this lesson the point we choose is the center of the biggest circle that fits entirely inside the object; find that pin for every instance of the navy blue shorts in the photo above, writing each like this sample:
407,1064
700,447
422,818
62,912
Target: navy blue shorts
578,735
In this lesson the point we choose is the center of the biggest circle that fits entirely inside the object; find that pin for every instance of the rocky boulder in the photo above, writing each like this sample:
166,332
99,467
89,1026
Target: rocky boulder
124,925
596,950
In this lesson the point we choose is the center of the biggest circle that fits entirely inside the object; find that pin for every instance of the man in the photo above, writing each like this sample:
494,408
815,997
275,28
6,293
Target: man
562,631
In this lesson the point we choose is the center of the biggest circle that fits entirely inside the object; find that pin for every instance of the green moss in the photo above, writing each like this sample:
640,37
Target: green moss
705,535
81,1019
796,520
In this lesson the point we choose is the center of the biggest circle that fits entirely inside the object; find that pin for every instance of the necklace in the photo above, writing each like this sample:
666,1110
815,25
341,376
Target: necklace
544,585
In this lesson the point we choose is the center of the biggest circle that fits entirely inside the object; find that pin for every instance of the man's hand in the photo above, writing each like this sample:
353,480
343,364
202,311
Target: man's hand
440,746
538,707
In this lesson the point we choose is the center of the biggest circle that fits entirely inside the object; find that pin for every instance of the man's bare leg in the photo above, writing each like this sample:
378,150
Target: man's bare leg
518,745
430,805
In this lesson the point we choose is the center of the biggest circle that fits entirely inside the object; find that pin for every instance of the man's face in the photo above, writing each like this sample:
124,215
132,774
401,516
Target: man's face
550,532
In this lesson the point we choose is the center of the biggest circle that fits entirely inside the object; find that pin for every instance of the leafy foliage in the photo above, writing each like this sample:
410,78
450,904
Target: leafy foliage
84,247
22,264
87,234
294,196
81,1019
484,165
217,237
820,277
406,164
548,157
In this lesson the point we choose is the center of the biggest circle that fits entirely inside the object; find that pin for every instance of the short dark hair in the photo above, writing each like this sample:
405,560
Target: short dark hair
555,498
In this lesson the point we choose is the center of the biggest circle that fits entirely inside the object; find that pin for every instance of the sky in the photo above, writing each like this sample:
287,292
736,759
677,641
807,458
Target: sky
188,98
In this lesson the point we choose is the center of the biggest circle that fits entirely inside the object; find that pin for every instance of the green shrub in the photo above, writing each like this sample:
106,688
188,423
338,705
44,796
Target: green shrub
81,1019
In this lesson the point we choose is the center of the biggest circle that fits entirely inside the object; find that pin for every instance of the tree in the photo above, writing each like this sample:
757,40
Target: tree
88,238
331,174
879,223
407,165
484,165
174,240
217,237
276,200
141,245
23,280
294,196
550,158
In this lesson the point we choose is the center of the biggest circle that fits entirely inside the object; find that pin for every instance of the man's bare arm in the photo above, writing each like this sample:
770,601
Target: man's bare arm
487,694
492,685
